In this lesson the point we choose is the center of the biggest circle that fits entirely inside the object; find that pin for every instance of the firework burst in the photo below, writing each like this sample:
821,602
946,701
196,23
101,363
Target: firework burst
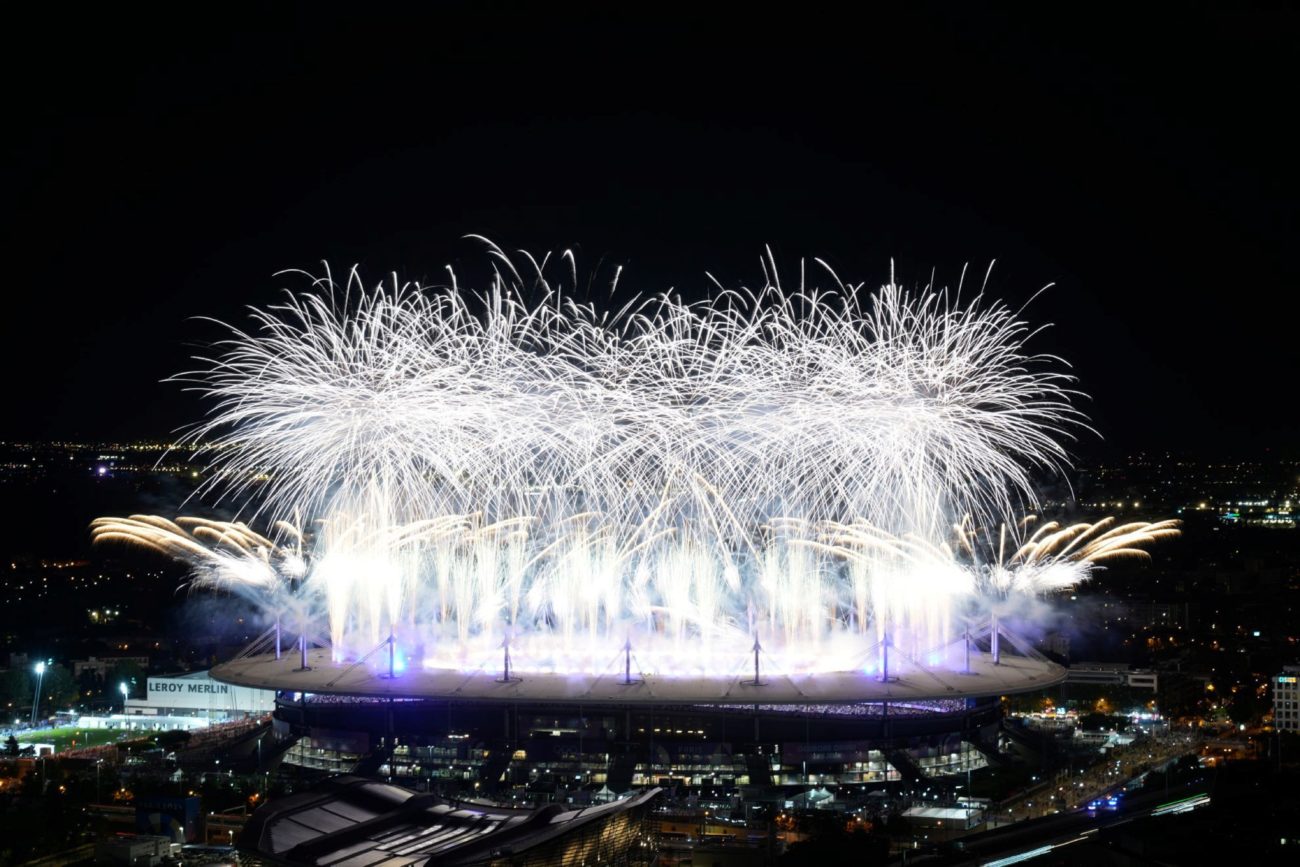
778,462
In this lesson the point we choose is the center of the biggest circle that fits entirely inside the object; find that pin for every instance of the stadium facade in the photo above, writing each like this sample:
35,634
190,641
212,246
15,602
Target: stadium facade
580,739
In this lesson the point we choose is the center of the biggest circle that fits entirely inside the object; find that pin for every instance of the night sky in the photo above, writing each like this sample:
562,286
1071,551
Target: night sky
162,168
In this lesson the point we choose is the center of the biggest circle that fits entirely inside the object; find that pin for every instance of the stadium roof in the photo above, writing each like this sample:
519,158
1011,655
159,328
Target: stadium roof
908,681
354,822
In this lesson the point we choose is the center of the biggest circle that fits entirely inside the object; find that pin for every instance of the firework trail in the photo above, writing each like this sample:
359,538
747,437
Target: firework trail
514,462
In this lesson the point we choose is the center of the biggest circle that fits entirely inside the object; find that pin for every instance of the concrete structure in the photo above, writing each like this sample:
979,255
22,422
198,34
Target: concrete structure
1286,699
196,694
138,850
142,722
1112,674
352,820
565,737
963,818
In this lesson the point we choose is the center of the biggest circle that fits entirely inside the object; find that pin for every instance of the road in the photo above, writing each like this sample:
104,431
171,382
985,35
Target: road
1029,839
1121,764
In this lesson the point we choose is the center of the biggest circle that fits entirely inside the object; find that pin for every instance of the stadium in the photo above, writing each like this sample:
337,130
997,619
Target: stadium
576,738
514,544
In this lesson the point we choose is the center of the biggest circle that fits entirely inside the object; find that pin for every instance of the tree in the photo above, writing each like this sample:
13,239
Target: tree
173,739
128,671
16,687
832,843
1245,706
59,689
90,681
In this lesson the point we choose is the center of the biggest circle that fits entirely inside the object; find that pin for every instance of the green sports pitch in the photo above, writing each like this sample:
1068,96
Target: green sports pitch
74,738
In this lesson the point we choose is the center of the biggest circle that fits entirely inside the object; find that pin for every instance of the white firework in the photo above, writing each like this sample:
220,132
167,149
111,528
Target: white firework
766,462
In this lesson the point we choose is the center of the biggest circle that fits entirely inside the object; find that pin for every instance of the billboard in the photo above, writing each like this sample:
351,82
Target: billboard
198,692
177,818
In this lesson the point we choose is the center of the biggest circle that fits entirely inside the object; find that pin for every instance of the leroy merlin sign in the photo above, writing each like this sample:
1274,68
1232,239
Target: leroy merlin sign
197,691
202,688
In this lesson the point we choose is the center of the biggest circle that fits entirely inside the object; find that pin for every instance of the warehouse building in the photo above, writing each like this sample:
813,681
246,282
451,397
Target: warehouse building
195,694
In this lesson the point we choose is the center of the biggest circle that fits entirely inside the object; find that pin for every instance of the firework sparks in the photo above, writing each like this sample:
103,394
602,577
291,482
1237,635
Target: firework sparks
476,466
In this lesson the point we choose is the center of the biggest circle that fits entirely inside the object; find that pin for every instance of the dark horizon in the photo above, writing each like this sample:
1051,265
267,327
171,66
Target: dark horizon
1143,163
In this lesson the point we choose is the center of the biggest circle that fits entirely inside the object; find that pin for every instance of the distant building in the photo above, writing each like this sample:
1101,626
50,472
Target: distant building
101,666
196,694
1286,699
1112,674
137,851
1057,643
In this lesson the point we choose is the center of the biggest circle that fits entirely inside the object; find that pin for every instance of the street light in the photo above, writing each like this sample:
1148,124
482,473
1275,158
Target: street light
40,679
122,688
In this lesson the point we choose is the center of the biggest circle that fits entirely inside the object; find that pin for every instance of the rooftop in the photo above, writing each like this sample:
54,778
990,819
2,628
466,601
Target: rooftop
353,821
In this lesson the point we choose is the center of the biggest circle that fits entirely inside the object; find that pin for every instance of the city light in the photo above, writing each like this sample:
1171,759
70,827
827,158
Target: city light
40,680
